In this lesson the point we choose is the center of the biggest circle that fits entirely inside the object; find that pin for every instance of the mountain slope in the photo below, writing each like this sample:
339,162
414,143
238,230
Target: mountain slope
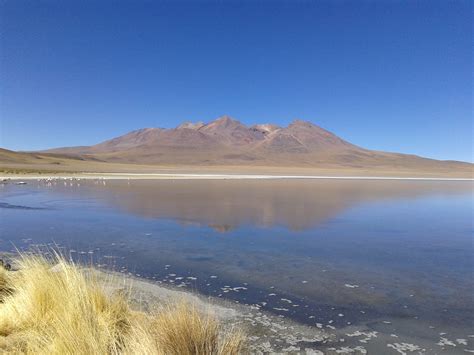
222,140
226,141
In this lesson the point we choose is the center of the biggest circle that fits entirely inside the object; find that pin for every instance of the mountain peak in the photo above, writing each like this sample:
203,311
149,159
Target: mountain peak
223,122
225,119
301,123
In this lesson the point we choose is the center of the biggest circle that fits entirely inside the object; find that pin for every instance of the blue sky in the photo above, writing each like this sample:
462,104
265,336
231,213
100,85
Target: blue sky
386,75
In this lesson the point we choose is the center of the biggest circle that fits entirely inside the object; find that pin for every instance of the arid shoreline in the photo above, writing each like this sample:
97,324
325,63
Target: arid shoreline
195,176
265,332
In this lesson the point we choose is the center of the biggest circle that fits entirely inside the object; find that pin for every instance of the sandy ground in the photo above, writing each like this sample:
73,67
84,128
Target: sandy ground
56,166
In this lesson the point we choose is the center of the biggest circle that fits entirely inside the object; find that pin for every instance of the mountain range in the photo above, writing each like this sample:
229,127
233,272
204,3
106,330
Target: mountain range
227,142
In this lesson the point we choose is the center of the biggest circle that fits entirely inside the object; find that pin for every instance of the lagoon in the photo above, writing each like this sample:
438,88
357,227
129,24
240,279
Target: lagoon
347,256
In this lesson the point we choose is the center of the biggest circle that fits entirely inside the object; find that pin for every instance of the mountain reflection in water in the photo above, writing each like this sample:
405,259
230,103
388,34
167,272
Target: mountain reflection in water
227,204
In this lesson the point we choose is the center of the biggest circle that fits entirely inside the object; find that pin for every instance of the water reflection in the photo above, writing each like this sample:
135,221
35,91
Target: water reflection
226,205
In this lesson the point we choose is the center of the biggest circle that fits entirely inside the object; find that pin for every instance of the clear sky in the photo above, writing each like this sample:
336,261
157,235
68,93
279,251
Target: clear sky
387,75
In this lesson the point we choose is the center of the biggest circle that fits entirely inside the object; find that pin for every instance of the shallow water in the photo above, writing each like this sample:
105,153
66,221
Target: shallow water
394,257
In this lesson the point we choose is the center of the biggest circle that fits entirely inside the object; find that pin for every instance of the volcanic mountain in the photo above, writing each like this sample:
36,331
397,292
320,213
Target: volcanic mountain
226,141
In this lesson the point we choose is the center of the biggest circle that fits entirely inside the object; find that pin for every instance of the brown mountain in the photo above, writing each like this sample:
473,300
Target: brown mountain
224,140
228,141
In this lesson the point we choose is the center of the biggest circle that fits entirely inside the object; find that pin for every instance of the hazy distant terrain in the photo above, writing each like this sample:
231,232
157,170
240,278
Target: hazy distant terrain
226,142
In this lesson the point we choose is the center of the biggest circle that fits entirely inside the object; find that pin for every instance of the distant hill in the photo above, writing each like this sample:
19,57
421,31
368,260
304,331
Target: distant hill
12,162
226,141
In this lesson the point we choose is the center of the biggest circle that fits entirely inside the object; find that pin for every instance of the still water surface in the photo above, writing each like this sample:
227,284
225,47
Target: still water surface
394,254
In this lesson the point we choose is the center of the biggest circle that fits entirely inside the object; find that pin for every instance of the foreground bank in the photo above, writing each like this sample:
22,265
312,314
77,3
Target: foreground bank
61,309
56,307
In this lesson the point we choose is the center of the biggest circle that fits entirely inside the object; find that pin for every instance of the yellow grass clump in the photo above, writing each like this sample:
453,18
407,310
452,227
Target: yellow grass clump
65,310
4,283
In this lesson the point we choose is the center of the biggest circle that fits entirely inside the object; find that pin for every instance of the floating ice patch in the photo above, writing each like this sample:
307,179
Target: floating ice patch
237,289
402,348
291,348
351,286
348,350
367,335
445,341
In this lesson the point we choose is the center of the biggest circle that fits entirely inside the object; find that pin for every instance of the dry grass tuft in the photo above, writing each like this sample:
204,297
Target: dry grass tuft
4,283
62,310
181,329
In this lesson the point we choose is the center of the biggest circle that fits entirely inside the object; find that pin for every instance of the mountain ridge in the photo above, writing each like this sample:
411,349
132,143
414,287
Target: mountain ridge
224,130
226,141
